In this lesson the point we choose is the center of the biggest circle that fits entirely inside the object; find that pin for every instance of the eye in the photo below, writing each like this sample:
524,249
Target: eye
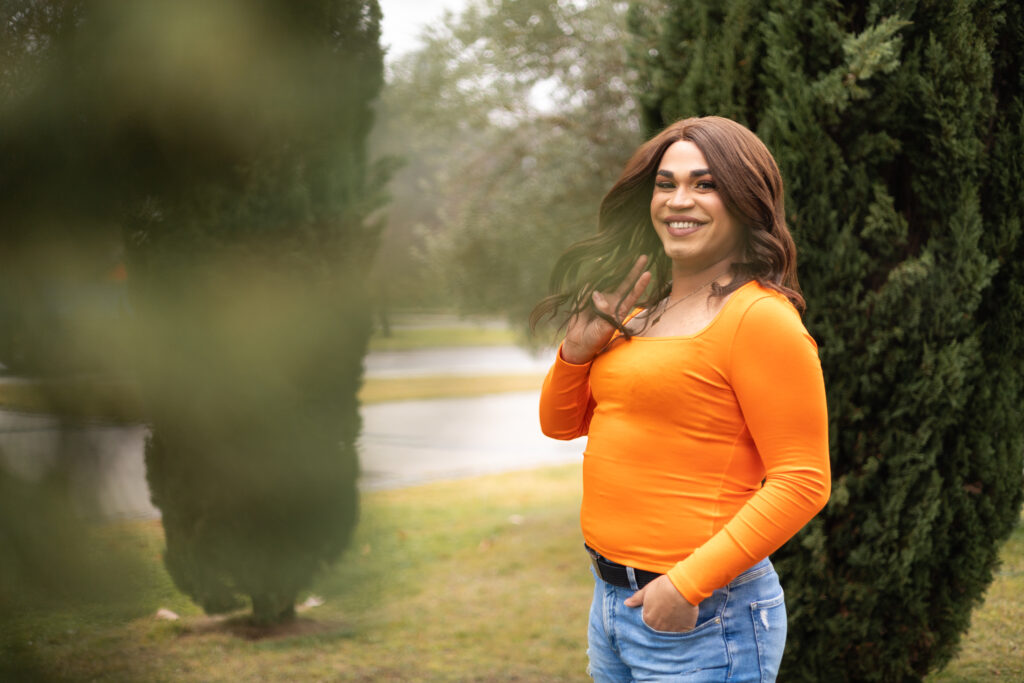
706,185
664,184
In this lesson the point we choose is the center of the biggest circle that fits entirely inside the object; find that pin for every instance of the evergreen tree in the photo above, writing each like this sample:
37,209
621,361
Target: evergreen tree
898,128
226,143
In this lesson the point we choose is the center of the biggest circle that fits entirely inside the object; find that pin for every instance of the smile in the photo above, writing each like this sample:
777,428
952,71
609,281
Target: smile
683,225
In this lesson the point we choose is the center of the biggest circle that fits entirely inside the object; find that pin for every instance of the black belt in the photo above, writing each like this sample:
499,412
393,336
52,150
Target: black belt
618,574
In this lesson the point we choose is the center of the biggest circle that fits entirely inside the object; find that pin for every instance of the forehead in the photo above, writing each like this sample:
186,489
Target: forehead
682,157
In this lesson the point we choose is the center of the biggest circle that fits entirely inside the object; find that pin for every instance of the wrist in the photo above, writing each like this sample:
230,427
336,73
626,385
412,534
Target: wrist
574,356
683,587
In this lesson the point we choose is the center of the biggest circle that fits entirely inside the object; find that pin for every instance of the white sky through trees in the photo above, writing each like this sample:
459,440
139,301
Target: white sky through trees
403,20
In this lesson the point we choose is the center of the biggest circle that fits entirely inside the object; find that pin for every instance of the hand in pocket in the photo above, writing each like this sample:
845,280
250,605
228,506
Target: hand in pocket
664,607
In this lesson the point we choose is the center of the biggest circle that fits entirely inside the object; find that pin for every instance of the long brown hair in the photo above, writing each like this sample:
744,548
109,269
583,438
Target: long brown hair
750,184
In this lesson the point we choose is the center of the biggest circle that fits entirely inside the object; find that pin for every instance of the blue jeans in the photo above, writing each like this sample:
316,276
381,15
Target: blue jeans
739,636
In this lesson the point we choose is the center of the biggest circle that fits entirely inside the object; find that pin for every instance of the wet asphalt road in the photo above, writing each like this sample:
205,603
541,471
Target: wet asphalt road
467,361
410,442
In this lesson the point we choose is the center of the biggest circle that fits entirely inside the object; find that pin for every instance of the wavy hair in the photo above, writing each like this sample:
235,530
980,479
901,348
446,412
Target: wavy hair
750,185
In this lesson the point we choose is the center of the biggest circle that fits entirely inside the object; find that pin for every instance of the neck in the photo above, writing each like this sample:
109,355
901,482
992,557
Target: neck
686,280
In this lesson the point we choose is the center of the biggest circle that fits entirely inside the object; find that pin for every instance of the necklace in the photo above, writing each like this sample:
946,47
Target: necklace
683,298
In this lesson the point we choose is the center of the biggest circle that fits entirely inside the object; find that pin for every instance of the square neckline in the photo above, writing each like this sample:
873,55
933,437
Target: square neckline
679,337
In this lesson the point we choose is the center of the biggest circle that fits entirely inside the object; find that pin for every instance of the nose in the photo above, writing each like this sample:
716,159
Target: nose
680,198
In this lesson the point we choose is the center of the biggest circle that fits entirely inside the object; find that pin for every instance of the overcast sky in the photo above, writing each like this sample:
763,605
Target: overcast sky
402,20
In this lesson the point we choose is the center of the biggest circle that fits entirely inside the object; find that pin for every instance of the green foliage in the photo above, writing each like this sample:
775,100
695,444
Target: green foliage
514,119
898,128
222,148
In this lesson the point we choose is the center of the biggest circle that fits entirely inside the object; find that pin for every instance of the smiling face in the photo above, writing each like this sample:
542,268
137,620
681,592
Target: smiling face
696,229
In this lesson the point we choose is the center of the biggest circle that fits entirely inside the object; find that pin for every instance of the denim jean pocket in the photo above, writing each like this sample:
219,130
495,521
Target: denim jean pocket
769,617
705,620
698,655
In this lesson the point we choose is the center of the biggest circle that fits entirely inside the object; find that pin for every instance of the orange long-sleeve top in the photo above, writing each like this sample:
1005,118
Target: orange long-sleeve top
705,453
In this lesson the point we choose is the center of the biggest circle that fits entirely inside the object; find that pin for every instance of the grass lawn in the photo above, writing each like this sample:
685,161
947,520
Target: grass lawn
993,649
482,579
477,580
378,390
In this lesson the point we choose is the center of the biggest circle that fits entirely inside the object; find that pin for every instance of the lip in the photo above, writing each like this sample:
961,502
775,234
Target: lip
682,232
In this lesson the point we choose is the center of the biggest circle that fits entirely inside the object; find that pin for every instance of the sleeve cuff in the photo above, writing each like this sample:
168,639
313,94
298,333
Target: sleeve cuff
559,360
686,588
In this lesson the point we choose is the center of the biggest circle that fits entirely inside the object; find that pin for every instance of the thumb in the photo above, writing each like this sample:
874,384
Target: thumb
636,599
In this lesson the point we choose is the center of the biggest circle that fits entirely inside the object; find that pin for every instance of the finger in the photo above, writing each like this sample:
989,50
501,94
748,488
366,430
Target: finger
626,303
610,307
637,291
600,302
636,599
632,287
631,278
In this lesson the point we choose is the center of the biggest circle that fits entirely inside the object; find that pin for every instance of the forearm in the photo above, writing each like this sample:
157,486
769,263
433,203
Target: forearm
565,401
770,518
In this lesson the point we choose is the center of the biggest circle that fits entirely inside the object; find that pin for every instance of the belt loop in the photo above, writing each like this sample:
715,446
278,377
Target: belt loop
595,565
631,574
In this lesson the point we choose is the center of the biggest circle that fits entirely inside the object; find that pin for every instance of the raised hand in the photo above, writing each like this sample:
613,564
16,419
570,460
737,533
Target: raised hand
587,332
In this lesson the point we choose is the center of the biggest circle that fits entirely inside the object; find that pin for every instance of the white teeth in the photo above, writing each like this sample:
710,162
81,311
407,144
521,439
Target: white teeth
683,224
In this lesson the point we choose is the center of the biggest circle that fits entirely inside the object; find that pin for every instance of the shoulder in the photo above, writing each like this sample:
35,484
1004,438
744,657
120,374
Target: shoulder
753,302
756,300
764,315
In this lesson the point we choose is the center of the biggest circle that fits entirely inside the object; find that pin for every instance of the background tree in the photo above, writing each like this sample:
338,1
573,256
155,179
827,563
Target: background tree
51,249
898,127
54,243
514,119
222,146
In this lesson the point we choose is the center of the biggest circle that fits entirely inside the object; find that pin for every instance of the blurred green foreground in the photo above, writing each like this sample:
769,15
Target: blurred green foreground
185,204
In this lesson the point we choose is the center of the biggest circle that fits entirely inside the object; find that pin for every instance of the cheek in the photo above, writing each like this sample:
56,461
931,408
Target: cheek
735,231
739,236
735,224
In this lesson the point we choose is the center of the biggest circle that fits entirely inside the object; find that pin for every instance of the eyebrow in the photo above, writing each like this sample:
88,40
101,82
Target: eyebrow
695,173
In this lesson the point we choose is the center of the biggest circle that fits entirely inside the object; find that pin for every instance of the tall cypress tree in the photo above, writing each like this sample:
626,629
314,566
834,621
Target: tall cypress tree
898,128
251,289
226,142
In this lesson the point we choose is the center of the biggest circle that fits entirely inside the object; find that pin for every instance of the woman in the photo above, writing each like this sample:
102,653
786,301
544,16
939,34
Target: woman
686,364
